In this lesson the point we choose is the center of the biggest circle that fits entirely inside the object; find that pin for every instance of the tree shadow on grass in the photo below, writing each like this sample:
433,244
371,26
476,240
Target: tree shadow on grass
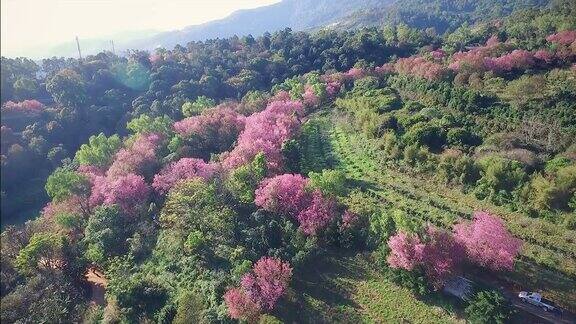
322,292
362,184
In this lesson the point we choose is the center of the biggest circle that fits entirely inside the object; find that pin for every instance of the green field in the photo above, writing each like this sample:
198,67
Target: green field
547,262
349,289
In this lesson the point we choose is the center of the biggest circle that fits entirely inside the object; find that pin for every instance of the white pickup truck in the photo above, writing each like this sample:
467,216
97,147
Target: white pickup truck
537,300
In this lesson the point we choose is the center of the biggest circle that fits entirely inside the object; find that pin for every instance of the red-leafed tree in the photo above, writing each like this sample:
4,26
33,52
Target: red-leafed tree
487,241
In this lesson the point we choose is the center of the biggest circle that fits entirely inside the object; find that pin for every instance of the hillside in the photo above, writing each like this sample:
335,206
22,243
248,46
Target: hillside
442,15
294,14
334,176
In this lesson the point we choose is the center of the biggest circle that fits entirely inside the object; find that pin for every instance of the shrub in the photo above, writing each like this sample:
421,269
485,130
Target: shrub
488,307
499,177
413,280
461,137
425,133
456,167
329,182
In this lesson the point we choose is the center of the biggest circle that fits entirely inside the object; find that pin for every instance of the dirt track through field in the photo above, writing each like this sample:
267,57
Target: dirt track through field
98,285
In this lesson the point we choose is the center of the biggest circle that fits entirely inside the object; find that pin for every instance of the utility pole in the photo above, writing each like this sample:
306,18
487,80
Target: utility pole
78,45
113,50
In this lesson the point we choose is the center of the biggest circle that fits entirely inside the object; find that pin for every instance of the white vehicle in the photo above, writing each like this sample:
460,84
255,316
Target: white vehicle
537,300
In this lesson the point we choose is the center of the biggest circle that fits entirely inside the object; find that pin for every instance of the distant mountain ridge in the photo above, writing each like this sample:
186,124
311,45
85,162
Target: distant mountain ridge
295,14
308,15
299,15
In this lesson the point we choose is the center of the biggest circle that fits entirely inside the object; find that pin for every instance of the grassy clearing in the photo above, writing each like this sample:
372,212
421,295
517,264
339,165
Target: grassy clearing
348,289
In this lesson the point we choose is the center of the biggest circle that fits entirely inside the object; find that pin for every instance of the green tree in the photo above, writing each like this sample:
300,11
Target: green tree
488,307
63,183
194,205
243,181
99,150
67,88
190,309
425,133
292,153
25,88
146,124
45,251
195,108
105,234
499,177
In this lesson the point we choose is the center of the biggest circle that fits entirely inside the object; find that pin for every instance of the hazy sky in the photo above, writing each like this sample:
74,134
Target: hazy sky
33,23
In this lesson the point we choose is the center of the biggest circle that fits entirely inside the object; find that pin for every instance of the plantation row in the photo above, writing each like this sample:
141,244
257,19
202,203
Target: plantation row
536,232
547,246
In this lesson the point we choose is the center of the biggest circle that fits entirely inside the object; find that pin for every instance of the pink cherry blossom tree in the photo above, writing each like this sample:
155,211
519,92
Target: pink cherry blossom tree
240,306
516,60
317,215
70,205
214,130
138,158
265,132
267,282
355,73
183,169
349,220
443,256
259,290
310,98
544,56
487,241
420,67
130,192
406,251
333,88
565,37
284,194
26,106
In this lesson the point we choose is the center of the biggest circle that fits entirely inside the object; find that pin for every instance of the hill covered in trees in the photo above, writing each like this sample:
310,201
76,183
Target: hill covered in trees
335,176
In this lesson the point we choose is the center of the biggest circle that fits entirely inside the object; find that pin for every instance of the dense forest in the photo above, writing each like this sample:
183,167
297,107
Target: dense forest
326,176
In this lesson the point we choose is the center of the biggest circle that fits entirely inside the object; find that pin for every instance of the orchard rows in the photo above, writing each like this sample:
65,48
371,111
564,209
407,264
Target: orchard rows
548,254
